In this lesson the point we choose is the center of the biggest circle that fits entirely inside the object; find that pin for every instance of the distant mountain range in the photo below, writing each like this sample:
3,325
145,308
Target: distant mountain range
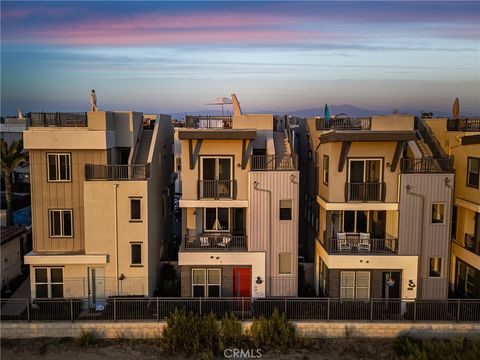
351,110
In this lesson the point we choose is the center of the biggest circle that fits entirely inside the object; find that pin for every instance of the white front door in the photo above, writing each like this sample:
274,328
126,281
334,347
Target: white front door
96,285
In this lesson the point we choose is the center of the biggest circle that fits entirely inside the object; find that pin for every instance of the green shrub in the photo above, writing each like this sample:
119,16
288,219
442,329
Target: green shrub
190,334
231,333
276,332
427,349
87,338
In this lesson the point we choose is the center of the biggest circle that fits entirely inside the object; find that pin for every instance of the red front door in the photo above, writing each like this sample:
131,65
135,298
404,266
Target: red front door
242,282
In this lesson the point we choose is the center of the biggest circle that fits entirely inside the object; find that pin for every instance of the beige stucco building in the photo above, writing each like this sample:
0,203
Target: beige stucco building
100,184
239,206
383,203
460,138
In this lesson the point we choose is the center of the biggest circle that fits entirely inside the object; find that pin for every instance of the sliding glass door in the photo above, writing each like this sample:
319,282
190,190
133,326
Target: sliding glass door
364,181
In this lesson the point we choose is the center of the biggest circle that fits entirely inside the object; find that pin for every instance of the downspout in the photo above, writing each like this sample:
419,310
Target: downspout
255,186
116,236
420,257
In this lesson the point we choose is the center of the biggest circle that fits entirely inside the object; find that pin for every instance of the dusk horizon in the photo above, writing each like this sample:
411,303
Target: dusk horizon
280,56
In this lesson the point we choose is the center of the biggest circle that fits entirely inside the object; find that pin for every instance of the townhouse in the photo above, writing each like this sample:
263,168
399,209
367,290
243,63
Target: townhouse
100,185
380,209
239,203
461,138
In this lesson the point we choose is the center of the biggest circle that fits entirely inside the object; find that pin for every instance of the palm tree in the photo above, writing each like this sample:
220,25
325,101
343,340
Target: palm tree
12,156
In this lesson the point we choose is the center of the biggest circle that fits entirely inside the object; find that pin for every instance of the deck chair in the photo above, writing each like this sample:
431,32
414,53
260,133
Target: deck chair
343,244
225,241
204,241
364,242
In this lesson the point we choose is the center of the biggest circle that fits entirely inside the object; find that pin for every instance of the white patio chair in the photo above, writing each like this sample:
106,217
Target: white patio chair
204,241
343,244
364,243
225,241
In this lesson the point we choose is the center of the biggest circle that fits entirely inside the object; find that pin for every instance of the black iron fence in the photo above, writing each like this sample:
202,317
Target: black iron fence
287,162
208,122
344,123
60,119
365,191
356,244
215,241
217,189
427,165
117,172
321,309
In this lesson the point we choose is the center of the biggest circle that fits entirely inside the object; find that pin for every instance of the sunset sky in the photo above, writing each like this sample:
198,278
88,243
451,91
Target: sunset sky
174,57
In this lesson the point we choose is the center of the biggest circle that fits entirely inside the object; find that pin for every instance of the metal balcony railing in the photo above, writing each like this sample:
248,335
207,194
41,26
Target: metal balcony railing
58,119
466,125
287,162
208,122
355,244
344,123
217,189
365,191
427,165
215,241
117,172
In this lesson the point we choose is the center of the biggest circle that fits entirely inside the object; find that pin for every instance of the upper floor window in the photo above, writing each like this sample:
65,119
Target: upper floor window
285,263
178,164
435,267
216,219
136,252
438,213
135,209
285,209
61,223
59,167
326,166
473,172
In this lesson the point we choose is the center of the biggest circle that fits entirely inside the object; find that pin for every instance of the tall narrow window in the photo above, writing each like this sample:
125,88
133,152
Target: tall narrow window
214,282
60,223
326,165
435,267
285,263
438,213
135,209
136,252
473,172
198,282
58,167
286,210
362,290
347,285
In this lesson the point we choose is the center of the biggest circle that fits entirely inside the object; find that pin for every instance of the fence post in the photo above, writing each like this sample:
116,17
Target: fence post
28,310
458,310
371,309
328,308
285,309
158,309
71,310
114,309
243,308
415,310
200,304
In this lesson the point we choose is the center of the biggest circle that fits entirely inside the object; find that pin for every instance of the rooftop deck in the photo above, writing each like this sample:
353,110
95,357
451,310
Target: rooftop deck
344,123
57,119
208,122
467,125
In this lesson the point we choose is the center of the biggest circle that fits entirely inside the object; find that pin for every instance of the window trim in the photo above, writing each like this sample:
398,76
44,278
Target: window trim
136,243
62,224
280,210
57,167
49,282
444,213
327,170
468,172
139,198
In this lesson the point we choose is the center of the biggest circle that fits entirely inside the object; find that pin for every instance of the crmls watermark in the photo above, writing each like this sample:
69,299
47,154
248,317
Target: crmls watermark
243,353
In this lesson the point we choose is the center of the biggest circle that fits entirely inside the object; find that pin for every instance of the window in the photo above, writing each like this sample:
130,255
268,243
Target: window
355,221
135,209
285,263
178,164
354,284
473,172
285,209
206,282
60,223
438,213
58,166
326,166
216,219
48,283
435,267
136,251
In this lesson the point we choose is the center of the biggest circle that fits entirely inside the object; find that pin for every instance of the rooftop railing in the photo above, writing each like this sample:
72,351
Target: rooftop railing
344,123
208,122
117,172
427,165
466,125
215,242
58,119
287,162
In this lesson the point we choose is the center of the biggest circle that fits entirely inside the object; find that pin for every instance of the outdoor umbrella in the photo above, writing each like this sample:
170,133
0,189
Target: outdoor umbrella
220,101
456,108
327,113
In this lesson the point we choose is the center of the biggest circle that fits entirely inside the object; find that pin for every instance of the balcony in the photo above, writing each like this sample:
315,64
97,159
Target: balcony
217,189
428,165
353,243
117,172
215,242
208,122
57,119
467,125
288,162
344,123
365,191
